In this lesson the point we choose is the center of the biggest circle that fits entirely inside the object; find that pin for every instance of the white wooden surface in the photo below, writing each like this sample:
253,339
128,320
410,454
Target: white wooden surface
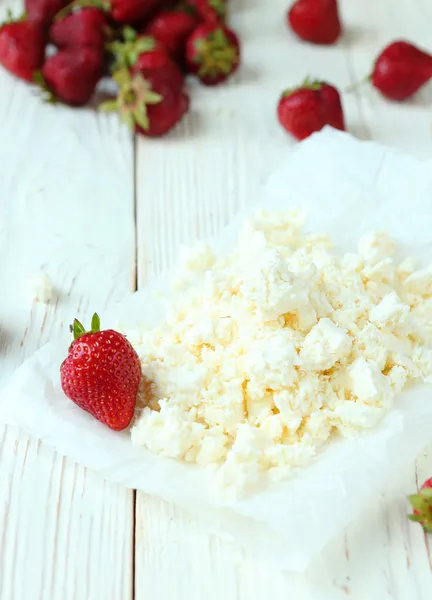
100,214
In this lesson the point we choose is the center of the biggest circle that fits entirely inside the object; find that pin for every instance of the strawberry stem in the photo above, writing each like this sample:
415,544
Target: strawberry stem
134,94
78,329
354,86
215,54
46,93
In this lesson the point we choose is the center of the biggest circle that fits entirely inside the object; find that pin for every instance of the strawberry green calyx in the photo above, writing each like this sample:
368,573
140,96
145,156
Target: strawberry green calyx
134,95
11,19
307,84
127,52
76,4
78,329
215,54
219,7
422,504
46,94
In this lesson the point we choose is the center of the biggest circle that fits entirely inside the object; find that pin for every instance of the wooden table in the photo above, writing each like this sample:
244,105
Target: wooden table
102,214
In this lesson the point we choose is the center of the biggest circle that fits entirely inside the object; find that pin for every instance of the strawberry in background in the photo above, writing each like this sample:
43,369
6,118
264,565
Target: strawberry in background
171,30
144,54
43,11
22,48
401,70
310,107
316,21
71,75
210,11
86,27
213,53
148,103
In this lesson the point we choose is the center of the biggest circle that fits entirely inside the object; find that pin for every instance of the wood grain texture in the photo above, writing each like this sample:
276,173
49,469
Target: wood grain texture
187,187
66,208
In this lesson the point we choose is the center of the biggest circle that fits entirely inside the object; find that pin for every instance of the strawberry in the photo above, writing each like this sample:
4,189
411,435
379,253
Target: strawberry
213,53
159,60
310,107
401,70
120,11
144,54
172,29
422,504
210,11
71,75
87,27
151,104
101,374
43,11
22,48
315,21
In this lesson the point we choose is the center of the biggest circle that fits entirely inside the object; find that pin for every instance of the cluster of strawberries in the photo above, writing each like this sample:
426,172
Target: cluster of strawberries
398,73
147,46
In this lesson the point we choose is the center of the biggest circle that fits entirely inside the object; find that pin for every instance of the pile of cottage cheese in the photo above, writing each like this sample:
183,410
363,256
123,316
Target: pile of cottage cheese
269,351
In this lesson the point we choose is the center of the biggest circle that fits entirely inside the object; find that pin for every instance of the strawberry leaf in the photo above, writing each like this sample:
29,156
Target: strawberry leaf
95,323
78,329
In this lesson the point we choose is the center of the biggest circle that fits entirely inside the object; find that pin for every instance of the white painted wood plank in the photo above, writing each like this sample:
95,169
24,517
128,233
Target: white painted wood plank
66,207
189,185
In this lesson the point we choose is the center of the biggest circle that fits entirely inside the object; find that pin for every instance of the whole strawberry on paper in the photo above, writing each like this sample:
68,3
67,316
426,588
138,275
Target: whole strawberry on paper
146,46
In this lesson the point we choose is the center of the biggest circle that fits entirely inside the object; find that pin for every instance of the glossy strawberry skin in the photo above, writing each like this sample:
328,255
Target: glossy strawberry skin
164,116
73,74
211,11
22,48
86,27
401,70
316,21
158,60
132,11
334,111
304,111
43,11
171,30
101,374
209,72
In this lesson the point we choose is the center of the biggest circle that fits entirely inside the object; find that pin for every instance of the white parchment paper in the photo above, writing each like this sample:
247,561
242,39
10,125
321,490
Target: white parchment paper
349,188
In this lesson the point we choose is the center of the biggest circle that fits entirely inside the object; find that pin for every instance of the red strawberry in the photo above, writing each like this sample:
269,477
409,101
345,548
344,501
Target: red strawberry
131,11
121,11
101,374
144,54
159,60
422,504
401,70
71,75
172,29
150,105
43,11
310,107
22,48
315,21
210,11
213,53
87,27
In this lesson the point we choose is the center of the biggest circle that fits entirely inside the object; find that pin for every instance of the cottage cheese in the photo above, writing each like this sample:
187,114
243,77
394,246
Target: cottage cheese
269,351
